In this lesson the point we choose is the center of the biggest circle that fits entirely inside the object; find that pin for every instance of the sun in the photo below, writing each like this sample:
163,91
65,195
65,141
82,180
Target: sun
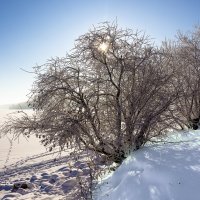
103,47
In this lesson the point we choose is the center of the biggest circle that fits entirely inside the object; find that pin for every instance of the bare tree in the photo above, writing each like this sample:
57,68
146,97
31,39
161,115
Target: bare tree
186,58
112,94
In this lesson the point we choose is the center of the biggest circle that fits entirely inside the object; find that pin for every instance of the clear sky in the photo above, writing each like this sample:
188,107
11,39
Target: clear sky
32,31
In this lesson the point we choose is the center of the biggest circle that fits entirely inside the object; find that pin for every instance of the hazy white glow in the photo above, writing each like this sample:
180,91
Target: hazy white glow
103,47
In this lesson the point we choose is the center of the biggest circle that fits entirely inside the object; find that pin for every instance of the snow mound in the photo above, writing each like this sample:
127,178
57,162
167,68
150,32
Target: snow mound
162,171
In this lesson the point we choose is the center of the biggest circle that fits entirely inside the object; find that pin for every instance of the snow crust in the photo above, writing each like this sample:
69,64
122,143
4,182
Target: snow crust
163,171
47,176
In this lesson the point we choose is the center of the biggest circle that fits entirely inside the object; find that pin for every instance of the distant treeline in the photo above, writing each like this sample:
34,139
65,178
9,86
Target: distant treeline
23,105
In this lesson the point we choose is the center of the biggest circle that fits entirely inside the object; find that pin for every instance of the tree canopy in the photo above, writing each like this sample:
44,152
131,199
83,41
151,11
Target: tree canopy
114,92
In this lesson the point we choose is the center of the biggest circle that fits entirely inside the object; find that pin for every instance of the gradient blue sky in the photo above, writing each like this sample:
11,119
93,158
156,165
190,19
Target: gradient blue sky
32,31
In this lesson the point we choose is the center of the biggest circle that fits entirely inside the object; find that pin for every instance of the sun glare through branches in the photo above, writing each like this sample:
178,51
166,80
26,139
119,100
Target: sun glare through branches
103,47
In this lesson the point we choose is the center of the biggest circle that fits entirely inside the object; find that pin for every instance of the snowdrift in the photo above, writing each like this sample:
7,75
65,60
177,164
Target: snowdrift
162,171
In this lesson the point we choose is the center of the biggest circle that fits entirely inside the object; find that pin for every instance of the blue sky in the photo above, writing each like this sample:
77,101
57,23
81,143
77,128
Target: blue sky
32,31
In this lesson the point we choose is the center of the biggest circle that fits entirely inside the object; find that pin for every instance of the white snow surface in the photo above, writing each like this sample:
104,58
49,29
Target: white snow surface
47,176
161,171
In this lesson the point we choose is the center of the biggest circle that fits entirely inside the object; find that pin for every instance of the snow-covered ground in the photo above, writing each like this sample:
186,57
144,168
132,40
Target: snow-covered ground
13,150
47,176
167,170
162,171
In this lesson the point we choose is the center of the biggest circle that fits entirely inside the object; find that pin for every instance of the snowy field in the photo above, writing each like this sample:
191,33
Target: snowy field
167,170
12,151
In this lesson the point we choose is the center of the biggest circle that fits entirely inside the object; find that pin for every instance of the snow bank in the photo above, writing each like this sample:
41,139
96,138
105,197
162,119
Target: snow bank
167,171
